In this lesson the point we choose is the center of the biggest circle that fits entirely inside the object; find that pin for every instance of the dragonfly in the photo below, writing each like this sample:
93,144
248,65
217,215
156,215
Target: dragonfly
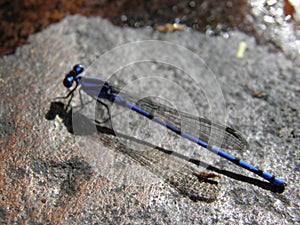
169,118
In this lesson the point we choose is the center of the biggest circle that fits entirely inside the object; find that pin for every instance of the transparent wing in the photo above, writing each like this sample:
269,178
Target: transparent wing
202,128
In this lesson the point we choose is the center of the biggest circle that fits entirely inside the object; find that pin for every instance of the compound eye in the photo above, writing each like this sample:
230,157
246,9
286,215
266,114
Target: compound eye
78,69
68,81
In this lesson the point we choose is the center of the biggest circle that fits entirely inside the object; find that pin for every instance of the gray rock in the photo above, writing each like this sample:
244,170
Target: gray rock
57,166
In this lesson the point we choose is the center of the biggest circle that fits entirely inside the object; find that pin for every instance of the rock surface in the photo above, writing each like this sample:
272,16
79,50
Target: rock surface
52,171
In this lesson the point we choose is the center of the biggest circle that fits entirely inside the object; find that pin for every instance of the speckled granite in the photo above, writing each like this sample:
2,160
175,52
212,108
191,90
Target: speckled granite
51,173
